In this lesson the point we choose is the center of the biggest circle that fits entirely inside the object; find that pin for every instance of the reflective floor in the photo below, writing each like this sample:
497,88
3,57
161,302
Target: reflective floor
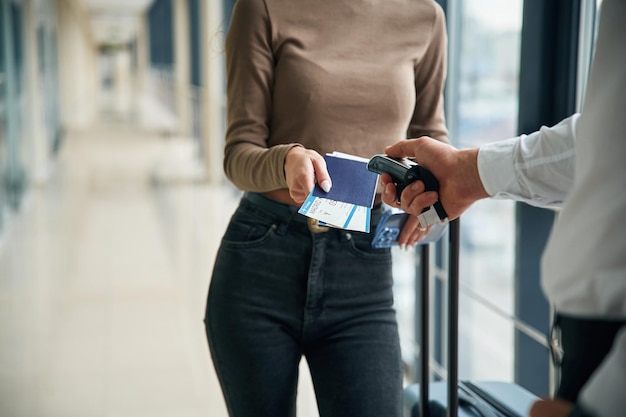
103,280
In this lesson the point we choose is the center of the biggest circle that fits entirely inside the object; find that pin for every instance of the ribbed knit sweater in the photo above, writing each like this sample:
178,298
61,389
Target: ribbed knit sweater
330,75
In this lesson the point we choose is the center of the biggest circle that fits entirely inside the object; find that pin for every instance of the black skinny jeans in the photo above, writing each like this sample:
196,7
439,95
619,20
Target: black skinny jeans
280,292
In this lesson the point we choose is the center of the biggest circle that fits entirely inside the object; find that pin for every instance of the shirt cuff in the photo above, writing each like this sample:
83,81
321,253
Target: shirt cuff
496,168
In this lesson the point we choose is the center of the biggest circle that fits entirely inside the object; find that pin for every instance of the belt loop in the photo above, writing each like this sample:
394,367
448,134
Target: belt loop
554,341
284,223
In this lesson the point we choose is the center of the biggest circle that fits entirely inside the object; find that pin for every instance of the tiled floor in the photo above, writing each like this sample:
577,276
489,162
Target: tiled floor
103,279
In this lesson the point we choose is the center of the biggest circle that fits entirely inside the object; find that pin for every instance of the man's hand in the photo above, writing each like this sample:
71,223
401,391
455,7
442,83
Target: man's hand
303,168
456,170
551,407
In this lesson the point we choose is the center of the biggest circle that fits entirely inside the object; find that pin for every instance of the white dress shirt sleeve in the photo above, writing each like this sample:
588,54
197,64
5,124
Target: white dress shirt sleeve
536,168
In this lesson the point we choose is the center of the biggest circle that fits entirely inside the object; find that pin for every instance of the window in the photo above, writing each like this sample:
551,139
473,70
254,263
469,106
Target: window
487,80
493,94
482,99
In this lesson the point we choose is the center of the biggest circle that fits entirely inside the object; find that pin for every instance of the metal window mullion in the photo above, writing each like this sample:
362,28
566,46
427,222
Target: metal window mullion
586,40
547,95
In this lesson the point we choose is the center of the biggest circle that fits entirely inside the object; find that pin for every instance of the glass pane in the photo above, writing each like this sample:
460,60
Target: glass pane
404,302
488,71
485,343
486,103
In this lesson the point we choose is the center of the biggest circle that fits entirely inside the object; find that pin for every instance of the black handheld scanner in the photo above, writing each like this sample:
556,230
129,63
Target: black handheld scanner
403,175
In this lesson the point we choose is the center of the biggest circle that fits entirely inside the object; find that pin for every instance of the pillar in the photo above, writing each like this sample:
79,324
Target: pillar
213,97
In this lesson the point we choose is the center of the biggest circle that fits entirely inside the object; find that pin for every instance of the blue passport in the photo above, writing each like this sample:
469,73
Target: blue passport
352,182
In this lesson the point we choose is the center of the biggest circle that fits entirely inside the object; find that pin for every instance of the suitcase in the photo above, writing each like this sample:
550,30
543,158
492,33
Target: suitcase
466,398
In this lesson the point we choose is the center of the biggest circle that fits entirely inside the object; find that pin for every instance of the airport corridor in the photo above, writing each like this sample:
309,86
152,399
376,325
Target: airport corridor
103,280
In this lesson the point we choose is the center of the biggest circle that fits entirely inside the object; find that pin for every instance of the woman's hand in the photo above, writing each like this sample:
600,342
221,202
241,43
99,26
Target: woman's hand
303,168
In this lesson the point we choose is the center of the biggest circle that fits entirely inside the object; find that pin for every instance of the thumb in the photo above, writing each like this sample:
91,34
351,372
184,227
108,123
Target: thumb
321,174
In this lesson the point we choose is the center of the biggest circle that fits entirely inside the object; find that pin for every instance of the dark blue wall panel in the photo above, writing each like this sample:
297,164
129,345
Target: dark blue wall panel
160,29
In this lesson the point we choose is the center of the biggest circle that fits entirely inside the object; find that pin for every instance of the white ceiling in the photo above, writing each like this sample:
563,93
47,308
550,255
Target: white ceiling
114,21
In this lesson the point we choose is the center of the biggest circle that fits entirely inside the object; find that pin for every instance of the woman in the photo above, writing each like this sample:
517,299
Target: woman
305,78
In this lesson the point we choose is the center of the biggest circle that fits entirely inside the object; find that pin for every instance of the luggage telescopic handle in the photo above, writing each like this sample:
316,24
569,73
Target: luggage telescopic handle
453,325
424,333
453,319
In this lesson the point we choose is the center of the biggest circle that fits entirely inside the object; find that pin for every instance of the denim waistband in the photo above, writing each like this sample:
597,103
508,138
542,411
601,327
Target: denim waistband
287,211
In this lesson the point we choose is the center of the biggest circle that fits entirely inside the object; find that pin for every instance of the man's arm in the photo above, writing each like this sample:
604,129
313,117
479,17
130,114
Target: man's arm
536,168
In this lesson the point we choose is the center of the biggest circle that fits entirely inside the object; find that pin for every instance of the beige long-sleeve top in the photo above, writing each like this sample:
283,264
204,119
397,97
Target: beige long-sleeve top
330,75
